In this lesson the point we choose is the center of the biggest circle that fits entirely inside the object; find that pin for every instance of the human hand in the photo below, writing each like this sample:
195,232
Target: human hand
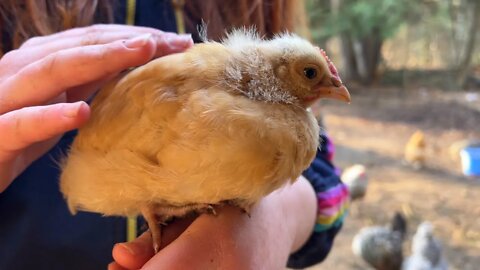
279,224
44,82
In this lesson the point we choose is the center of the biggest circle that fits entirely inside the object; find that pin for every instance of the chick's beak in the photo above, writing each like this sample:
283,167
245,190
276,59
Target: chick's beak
333,89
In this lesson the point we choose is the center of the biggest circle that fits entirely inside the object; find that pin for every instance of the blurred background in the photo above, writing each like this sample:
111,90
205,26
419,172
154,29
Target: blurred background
413,69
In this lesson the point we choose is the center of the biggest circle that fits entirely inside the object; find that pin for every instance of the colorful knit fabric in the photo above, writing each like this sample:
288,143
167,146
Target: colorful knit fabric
332,207
332,197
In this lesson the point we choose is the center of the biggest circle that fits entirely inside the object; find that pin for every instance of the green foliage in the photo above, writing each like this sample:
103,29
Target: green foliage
360,18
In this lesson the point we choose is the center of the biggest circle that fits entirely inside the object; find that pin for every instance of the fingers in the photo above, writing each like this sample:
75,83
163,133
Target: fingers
45,79
135,254
93,31
39,47
198,246
17,59
225,241
172,43
107,48
166,43
26,126
116,266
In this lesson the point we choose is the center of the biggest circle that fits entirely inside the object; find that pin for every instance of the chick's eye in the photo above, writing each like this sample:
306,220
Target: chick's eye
310,73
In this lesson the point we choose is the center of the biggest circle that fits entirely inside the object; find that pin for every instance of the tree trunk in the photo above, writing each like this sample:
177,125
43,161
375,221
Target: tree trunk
349,62
319,21
464,66
349,70
367,54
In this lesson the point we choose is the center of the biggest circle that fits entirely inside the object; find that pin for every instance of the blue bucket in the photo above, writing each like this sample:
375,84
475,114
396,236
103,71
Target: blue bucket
471,161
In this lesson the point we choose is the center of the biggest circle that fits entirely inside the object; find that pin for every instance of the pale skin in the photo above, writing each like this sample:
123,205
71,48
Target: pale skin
43,86
278,225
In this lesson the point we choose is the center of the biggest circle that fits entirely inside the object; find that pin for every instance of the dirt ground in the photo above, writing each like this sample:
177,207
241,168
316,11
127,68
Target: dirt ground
373,131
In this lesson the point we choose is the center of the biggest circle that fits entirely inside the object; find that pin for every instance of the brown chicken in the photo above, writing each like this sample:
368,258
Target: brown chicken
415,150
221,123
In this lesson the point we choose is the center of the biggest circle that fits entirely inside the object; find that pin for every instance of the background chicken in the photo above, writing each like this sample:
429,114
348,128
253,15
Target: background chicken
222,122
427,251
415,150
382,247
356,179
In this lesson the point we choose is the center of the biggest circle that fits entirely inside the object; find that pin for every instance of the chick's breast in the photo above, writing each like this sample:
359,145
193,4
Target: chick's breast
165,134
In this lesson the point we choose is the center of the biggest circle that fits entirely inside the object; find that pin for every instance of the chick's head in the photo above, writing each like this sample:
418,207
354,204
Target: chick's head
285,69
305,70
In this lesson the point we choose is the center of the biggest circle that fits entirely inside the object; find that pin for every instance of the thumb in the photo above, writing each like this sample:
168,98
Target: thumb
134,254
24,127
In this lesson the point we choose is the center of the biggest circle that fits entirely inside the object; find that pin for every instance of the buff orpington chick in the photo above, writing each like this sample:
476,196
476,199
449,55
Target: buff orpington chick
415,150
220,123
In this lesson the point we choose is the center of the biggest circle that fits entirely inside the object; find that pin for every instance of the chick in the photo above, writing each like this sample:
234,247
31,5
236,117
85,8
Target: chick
356,179
221,123
415,150
382,247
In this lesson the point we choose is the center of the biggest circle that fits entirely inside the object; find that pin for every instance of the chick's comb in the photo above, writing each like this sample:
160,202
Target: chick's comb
331,66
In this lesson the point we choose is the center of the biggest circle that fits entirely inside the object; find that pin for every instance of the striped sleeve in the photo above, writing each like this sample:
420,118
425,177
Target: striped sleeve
332,199
332,206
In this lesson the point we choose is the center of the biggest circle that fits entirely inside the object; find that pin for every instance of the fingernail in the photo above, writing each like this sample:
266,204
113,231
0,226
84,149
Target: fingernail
128,248
111,265
72,110
179,41
138,42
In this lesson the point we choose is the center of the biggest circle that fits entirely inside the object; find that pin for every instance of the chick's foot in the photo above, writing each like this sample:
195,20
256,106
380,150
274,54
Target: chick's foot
154,226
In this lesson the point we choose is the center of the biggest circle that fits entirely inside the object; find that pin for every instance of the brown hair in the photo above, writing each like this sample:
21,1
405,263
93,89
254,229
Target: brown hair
22,19
267,16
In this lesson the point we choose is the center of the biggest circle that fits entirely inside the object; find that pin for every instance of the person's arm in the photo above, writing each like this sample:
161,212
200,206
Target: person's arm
278,225
43,83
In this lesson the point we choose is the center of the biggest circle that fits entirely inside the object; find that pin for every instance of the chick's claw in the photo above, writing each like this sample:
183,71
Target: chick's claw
154,226
211,210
